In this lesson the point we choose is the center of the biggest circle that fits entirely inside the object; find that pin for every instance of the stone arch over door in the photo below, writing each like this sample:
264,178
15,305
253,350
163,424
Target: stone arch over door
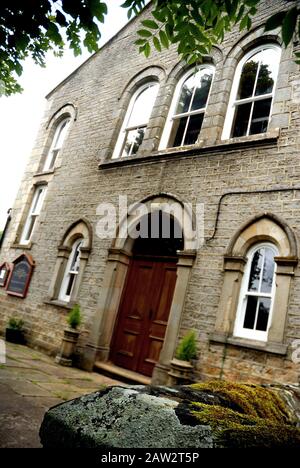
119,257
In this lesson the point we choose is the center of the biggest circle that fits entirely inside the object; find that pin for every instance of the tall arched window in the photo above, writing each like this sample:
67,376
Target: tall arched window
188,107
257,294
252,93
71,272
57,143
136,120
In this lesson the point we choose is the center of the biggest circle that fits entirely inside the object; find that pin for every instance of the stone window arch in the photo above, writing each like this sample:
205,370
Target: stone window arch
73,254
261,231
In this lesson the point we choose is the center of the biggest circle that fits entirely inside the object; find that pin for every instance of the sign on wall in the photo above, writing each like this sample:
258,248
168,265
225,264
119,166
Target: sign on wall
20,276
4,272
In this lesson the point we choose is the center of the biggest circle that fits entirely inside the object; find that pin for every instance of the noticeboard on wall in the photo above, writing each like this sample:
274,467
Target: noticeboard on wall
20,275
4,272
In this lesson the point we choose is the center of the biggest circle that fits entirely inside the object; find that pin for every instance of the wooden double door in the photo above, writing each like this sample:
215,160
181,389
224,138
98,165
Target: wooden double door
143,315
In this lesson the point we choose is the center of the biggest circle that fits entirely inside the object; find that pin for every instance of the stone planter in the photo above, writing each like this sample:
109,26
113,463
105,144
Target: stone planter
13,335
68,347
180,373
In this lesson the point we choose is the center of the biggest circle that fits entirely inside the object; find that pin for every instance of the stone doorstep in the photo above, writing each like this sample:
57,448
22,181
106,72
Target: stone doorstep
120,373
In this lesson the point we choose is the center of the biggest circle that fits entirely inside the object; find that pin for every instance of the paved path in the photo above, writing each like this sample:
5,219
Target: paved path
30,383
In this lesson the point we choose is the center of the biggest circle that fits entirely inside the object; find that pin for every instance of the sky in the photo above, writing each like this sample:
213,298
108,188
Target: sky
20,115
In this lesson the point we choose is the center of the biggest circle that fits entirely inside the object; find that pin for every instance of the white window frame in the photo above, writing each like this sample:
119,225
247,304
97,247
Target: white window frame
34,212
63,296
169,123
234,90
55,148
124,129
239,330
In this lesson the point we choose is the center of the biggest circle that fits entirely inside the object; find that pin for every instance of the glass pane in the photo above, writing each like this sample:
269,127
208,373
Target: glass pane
204,79
76,259
250,314
263,314
142,108
30,227
248,77
186,95
260,116
267,72
61,134
133,141
193,130
241,120
255,272
177,132
70,285
268,272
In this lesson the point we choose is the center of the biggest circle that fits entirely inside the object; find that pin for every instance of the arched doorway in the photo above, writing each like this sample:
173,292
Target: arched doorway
147,295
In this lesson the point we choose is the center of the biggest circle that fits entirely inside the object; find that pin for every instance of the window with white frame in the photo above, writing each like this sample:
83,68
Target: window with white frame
188,108
57,143
252,93
136,120
258,287
34,212
71,272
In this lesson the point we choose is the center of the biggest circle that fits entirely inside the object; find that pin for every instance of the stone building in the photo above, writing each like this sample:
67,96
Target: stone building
224,137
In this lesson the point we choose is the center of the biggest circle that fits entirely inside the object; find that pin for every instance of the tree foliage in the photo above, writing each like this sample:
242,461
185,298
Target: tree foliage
32,28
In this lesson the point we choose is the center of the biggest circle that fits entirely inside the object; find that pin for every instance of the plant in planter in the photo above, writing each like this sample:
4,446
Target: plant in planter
14,332
70,338
181,366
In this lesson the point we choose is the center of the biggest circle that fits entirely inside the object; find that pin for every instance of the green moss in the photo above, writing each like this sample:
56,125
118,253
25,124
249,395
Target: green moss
259,419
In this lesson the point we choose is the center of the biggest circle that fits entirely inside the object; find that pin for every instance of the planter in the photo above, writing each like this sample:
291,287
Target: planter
180,373
13,335
68,347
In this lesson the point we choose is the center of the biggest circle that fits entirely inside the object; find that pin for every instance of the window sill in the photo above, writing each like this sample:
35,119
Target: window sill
44,173
268,347
60,304
22,246
262,139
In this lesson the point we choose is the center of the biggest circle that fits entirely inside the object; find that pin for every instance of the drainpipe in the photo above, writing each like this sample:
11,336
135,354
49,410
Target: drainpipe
6,227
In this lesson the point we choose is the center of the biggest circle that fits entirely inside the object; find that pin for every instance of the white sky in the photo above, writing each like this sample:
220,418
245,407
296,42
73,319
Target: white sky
20,115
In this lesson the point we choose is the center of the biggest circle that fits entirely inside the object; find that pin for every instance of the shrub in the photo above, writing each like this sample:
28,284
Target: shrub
187,349
74,317
15,324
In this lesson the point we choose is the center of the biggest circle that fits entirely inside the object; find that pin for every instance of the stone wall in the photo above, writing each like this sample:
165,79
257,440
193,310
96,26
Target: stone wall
100,91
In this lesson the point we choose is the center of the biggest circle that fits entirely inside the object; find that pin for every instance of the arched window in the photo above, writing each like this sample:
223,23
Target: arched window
57,143
187,110
71,272
257,294
252,93
136,120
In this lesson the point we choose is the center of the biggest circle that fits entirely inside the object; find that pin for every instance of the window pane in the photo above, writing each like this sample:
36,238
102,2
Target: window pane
250,314
248,77
30,227
186,95
268,272
263,314
133,141
267,72
193,130
241,120
142,108
260,117
76,259
61,134
70,285
204,79
255,272
177,132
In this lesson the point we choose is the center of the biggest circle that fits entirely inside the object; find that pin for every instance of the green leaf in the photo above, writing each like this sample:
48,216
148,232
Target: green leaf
289,25
150,24
164,39
157,44
144,33
275,21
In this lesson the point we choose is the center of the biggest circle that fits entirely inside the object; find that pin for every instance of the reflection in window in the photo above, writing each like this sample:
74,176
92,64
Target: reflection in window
57,143
34,212
257,294
136,121
189,113
253,100
71,272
